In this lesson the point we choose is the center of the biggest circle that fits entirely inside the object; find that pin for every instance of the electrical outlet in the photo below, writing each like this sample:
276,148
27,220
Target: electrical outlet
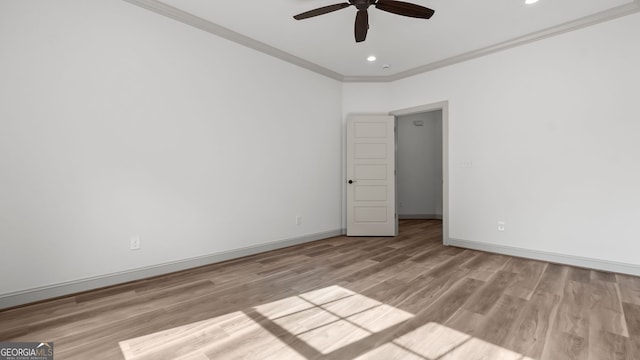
501,225
299,220
134,243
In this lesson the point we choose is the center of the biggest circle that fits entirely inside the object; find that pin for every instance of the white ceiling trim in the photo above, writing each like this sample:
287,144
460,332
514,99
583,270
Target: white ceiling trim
202,24
586,21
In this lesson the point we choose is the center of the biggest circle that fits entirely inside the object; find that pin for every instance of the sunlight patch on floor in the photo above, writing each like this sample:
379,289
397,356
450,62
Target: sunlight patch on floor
437,342
333,317
311,325
326,319
235,335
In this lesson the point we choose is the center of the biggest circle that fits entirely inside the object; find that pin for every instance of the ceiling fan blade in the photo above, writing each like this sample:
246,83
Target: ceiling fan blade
321,11
405,9
362,25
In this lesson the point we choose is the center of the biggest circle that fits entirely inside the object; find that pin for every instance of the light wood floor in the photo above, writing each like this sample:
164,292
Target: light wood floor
407,297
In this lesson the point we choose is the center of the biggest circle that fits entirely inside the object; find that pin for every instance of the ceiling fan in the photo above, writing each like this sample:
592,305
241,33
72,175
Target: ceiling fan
362,17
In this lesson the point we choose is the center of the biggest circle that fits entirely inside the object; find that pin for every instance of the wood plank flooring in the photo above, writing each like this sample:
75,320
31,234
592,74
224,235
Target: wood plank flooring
406,297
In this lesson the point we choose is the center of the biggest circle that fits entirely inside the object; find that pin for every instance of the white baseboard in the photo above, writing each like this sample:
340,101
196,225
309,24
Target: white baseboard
605,265
419,216
72,287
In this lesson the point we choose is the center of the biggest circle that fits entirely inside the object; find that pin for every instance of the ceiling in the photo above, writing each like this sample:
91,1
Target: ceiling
459,30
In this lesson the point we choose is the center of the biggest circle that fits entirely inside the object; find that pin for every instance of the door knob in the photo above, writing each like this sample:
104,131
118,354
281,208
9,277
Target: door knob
350,181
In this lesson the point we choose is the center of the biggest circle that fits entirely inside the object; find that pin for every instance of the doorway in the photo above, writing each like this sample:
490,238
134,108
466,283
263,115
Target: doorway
422,190
419,165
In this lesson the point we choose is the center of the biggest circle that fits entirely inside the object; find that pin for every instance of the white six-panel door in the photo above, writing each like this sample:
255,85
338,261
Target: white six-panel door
371,191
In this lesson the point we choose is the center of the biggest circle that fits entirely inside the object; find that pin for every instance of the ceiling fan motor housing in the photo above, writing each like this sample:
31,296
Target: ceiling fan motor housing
362,4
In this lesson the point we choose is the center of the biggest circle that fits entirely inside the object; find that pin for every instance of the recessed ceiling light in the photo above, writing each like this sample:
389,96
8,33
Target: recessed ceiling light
371,58
529,2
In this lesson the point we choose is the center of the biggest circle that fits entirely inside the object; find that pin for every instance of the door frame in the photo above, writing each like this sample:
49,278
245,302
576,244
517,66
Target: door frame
444,106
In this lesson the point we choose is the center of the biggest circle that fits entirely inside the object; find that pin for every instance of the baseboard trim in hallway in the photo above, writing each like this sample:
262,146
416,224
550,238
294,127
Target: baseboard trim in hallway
62,289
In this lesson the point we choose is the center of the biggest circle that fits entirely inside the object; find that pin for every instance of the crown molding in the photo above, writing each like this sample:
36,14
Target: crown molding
215,29
200,23
580,23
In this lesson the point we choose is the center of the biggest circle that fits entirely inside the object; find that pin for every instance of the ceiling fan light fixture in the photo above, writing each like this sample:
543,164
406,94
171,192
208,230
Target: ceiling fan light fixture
372,58
361,26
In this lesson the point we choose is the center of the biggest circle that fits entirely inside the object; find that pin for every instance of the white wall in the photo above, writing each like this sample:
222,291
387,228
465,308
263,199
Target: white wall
551,130
419,165
115,121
